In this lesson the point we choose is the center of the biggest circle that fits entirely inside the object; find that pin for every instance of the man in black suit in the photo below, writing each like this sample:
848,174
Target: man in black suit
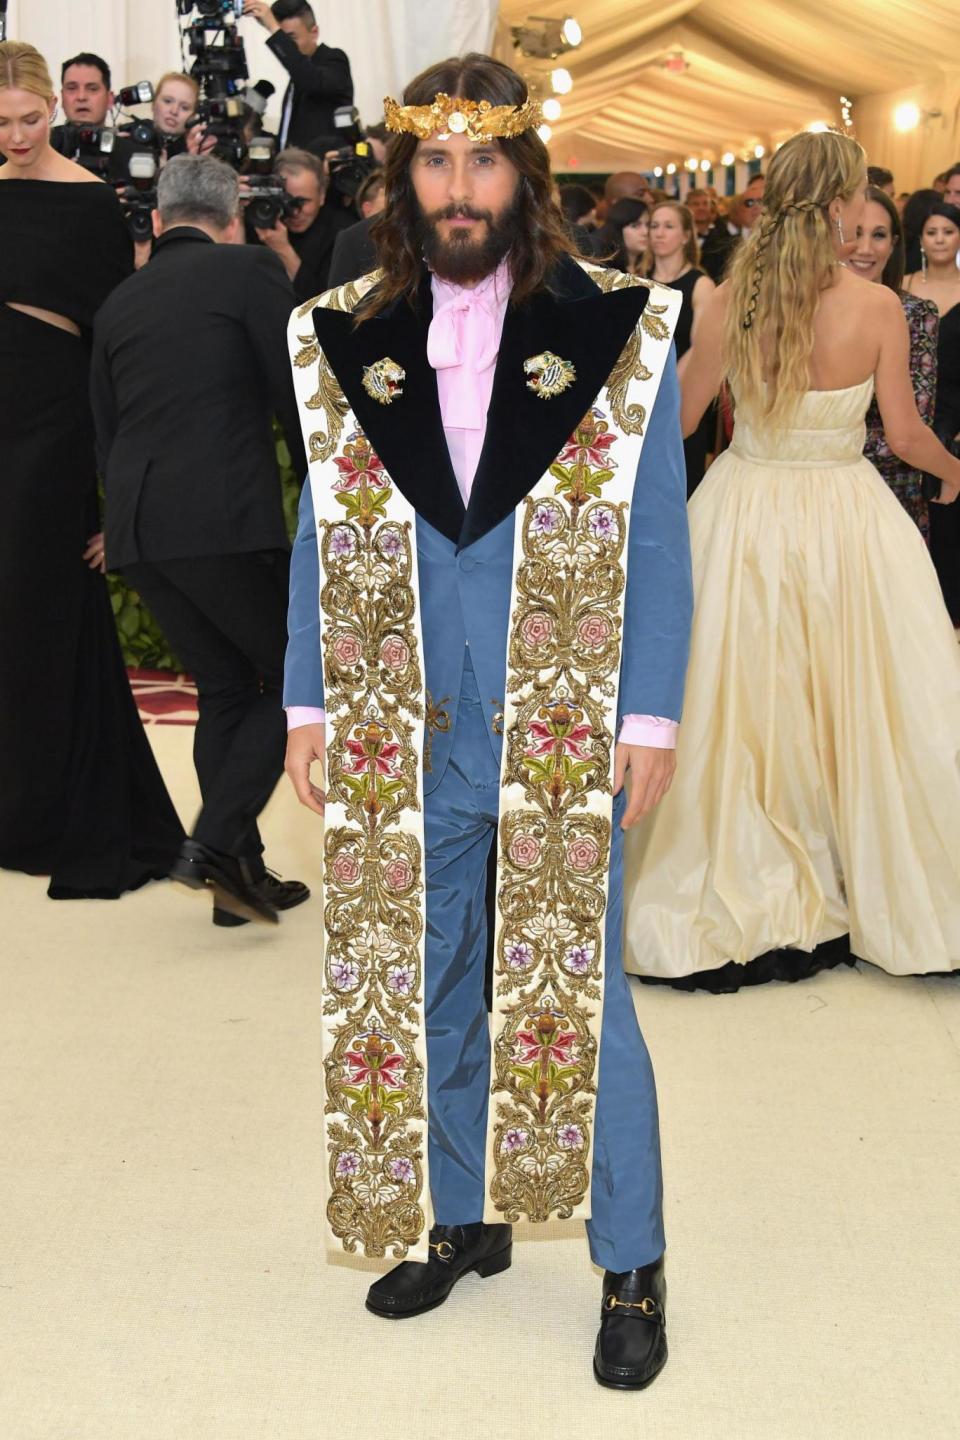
354,253
320,79
189,364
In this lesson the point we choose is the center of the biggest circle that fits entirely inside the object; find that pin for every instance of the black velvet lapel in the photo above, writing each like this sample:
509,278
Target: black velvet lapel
408,433
525,433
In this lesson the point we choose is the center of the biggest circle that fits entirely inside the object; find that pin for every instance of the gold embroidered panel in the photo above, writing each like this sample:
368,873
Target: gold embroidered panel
555,827
374,1033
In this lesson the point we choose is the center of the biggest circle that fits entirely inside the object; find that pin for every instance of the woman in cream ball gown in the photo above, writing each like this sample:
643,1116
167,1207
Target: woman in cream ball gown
817,793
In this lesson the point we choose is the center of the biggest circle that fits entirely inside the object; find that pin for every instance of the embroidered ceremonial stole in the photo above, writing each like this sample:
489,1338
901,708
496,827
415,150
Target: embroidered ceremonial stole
555,824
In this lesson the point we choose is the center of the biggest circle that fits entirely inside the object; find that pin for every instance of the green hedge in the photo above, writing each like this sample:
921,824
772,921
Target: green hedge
143,643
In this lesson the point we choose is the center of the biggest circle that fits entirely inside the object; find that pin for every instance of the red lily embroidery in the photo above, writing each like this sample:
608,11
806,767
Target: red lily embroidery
359,462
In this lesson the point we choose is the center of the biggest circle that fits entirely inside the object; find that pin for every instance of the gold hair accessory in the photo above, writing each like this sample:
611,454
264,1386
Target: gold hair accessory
452,115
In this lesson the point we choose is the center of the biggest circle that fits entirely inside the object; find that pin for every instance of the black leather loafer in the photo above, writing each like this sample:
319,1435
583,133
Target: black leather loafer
281,894
632,1343
203,869
455,1250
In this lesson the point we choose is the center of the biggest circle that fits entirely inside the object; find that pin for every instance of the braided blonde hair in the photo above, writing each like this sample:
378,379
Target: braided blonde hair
779,271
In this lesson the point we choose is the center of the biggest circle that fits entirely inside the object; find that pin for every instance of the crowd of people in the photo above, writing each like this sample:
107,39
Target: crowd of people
817,792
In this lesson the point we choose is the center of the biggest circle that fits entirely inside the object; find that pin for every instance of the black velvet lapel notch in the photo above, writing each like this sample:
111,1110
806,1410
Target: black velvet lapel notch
526,433
408,433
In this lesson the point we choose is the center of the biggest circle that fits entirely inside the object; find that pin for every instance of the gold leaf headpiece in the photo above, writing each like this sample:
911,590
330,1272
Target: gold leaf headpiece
452,115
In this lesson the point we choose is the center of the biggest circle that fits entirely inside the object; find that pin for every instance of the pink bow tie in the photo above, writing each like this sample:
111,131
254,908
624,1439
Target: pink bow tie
463,339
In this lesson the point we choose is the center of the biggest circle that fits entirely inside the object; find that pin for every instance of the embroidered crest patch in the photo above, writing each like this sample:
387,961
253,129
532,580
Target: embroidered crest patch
383,380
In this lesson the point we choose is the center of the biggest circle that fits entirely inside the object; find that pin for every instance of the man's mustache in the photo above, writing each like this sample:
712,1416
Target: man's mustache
460,212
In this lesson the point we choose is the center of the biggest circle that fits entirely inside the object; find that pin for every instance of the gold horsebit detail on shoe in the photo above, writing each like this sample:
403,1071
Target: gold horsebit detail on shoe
646,1305
445,1251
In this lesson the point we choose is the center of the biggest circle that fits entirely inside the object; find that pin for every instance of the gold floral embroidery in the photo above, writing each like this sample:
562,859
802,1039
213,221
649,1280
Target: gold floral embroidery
373,868
554,852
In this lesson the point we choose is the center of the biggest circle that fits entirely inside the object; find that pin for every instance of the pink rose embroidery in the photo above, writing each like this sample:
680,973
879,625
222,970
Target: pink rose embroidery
537,629
583,854
399,874
346,868
594,631
394,652
524,851
346,650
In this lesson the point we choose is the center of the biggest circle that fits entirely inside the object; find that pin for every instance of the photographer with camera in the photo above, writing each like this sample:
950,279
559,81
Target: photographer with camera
87,102
189,364
320,79
305,230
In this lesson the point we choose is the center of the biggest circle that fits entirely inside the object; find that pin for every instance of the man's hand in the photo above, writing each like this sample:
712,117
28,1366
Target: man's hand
94,555
651,775
277,239
260,10
305,745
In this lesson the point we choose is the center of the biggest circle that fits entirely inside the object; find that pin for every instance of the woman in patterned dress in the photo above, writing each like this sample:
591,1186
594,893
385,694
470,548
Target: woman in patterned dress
879,257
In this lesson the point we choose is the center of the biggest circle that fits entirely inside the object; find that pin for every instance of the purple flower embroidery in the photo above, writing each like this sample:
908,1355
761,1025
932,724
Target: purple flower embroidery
348,1163
401,1169
400,979
514,1140
570,1137
578,959
389,544
602,523
545,520
344,974
519,955
342,542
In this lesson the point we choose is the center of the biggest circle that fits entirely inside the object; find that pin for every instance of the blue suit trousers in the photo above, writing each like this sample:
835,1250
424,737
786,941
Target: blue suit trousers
626,1228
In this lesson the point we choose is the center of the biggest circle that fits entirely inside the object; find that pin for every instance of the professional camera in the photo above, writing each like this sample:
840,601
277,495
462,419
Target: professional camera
265,200
349,167
89,145
138,200
220,68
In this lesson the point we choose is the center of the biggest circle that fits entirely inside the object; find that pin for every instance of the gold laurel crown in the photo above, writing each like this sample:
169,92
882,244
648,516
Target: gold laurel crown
452,115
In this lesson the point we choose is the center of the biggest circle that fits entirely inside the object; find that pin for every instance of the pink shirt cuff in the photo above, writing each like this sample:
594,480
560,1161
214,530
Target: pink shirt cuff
650,730
298,715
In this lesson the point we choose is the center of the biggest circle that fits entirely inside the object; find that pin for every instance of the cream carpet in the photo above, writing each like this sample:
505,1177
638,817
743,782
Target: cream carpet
161,1270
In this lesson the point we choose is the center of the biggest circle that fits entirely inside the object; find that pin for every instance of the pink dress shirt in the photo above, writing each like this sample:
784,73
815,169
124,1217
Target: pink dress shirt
462,346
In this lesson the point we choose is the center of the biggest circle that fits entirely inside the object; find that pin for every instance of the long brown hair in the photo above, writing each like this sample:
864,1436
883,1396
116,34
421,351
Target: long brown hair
892,275
540,238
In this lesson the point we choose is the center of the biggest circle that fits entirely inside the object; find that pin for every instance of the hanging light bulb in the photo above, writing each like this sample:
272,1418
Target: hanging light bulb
706,165
671,168
818,127
758,152
552,109
692,164
561,80
658,171
545,132
727,158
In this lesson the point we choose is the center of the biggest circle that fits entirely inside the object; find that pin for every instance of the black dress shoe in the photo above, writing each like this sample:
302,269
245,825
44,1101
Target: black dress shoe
281,894
204,869
414,1287
632,1343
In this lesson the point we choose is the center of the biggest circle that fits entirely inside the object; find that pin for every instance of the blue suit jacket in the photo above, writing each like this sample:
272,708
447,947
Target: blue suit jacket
467,566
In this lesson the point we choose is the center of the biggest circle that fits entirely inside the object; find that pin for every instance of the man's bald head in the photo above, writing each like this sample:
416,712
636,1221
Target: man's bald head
626,184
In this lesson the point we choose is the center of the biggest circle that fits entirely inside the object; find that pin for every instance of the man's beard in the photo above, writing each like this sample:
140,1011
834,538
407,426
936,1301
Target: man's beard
461,260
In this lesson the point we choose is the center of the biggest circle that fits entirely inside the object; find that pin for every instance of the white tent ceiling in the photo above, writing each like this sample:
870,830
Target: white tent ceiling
758,70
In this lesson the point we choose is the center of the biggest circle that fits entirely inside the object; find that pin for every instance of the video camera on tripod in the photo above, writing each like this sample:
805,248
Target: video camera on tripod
220,68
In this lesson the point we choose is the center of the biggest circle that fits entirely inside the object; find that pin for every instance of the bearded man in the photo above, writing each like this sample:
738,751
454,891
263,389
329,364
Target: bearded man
486,564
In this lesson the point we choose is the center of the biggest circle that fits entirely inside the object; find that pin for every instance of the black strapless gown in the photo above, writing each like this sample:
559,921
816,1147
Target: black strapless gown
81,797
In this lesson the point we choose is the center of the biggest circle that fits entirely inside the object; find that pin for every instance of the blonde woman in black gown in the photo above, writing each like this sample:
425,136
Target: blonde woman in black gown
817,792
81,798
